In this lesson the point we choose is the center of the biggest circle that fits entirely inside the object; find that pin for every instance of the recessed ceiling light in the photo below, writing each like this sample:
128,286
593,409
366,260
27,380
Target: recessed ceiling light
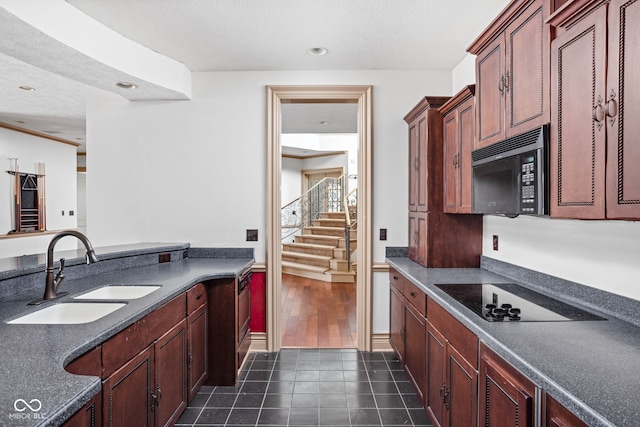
317,51
20,121
29,88
126,85
324,122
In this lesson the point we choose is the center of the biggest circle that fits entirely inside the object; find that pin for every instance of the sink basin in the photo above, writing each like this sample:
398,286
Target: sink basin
119,292
69,313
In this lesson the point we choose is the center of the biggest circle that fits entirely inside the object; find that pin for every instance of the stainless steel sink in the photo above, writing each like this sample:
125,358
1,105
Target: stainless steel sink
69,313
119,292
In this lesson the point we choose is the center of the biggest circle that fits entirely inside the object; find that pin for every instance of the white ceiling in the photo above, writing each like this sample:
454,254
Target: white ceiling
215,35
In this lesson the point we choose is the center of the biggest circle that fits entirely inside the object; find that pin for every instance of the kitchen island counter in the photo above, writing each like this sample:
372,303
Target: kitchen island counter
34,387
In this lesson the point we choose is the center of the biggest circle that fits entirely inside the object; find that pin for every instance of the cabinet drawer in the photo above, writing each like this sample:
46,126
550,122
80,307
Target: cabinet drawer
396,280
465,341
416,297
196,296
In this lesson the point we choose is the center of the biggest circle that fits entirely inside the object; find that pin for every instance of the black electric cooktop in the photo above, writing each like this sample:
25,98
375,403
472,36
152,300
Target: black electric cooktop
508,302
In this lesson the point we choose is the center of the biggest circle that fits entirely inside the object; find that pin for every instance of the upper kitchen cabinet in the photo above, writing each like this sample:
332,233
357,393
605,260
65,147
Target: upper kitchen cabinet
436,239
512,72
425,128
595,68
459,142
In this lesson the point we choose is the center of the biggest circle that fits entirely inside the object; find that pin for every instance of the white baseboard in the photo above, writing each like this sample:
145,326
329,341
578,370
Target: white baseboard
380,342
258,342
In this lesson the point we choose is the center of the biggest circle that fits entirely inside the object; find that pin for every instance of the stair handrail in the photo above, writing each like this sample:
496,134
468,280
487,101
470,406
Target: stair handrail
349,223
298,213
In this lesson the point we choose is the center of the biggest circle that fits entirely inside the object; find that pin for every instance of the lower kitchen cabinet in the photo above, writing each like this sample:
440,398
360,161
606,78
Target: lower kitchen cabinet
507,398
451,378
408,326
170,391
150,369
127,394
197,339
558,416
229,332
90,415
151,389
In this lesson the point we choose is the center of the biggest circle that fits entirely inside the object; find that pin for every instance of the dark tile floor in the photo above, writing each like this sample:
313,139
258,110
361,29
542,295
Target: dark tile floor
311,387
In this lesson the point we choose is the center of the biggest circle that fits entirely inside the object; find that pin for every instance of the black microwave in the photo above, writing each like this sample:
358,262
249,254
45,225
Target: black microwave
511,177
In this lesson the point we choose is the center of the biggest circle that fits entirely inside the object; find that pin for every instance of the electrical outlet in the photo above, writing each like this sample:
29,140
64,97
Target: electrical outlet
162,258
71,213
252,235
383,234
495,242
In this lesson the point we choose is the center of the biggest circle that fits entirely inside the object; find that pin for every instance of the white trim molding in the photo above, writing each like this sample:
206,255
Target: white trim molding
276,96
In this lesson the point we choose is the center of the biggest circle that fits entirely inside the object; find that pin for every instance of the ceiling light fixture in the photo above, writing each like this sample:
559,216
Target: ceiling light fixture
324,122
29,88
126,85
317,51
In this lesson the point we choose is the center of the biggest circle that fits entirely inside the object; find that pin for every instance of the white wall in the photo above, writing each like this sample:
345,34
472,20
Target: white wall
60,182
195,171
600,254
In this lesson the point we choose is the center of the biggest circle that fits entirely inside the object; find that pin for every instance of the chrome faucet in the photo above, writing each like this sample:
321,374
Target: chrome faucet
52,284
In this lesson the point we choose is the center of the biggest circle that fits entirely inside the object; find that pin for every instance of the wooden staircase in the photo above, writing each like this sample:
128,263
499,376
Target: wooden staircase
320,252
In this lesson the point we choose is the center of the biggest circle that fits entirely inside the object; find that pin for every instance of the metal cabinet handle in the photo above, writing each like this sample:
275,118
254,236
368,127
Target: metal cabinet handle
501,84
416,164
611,108
199,296
506,82
598,113
413,294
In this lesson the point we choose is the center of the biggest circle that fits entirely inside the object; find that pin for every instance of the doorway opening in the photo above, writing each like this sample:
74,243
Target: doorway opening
276,97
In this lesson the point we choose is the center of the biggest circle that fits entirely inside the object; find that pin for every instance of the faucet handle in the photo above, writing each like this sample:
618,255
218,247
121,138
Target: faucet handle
60,274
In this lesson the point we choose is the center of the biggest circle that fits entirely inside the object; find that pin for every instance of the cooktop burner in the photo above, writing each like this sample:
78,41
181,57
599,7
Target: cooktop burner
508,302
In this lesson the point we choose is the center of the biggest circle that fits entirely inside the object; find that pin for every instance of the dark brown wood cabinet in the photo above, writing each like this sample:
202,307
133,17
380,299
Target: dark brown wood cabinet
435,239
90,415
451,370
127,393
425,136
151,387
407,328
594,70
197,337
507,398
229,332
512,72
151,369
170,393
459,141
557,415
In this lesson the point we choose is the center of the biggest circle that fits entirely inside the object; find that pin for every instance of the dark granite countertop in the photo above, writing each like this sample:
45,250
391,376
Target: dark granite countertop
32,357
591,367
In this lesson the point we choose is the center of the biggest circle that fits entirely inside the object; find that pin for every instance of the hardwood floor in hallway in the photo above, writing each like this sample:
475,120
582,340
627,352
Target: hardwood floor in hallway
318,314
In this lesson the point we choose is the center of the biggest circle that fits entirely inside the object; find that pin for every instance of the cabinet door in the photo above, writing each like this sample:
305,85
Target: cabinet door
490,90
396,326
244,317
418,237
418,140
622,110
171,375
505,401
527,74
578,133
557,415
127,394
451,153
467,137
436,377
90,415
414,166
462,396
414,357
198,361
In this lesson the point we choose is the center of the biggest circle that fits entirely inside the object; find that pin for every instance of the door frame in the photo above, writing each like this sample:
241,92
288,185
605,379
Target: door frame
276,96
